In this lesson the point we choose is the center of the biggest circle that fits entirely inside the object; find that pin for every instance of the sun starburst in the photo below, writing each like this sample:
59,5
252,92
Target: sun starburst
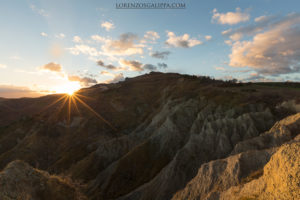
70,102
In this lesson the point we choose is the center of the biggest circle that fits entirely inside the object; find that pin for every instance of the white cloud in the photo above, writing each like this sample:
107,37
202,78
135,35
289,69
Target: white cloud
260,19
132,64
60,36
137,66
84,81
98,38
236,36
53,67
44,34
125,45
183,41
273,51
228,42
106,73
107,25
230,18
77,39
2,66
261,24
208,37
84,49
151,35
226,31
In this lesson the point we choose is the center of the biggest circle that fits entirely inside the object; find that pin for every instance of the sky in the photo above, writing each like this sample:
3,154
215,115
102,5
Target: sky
60,46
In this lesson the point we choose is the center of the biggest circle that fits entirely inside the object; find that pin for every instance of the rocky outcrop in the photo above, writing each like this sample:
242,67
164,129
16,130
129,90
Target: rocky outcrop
280,180
238,176
186,134
20,181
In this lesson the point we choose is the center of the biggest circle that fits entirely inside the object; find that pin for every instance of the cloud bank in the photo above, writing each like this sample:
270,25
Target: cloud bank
273,50
11,91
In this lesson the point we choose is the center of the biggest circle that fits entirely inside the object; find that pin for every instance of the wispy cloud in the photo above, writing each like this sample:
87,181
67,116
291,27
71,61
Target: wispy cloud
44,34
230,18
77,39
107,25
39,11
15,58
151,35
11,91
106,73
220,68
99,38
84,49
208,37
60,36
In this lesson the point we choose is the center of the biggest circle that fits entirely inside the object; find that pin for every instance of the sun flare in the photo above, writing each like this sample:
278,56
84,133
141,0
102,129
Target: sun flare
68,88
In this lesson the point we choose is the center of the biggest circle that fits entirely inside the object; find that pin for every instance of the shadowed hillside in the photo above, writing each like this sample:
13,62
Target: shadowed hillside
156,136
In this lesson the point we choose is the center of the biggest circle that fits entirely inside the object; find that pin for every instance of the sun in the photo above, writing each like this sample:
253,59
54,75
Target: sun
70,93
68,88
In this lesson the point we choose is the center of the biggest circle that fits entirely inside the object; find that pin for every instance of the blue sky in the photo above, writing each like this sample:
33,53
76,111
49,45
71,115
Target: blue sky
55,46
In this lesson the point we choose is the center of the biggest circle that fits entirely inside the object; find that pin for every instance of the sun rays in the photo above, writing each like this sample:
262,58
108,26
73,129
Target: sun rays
70,103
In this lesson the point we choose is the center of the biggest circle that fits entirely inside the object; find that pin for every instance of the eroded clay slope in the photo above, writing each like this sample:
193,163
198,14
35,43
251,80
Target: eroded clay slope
267,167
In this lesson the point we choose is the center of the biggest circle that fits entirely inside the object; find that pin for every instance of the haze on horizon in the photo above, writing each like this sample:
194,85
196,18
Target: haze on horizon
61,46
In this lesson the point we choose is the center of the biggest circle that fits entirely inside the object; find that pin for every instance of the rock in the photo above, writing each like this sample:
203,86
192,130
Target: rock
20,181
280,178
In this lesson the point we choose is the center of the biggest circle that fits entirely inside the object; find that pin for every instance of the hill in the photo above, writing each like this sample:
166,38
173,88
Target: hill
157,136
